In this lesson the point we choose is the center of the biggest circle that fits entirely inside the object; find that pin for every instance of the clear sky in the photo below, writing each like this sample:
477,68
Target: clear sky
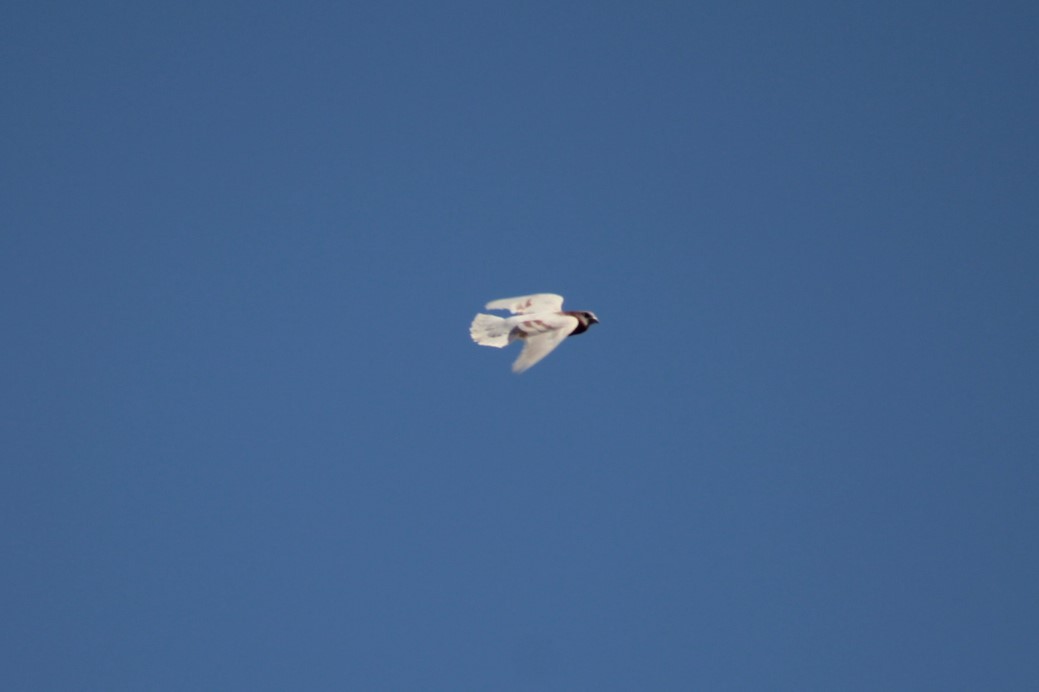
247,443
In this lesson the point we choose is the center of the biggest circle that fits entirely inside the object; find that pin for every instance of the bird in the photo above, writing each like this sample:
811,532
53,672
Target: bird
539,321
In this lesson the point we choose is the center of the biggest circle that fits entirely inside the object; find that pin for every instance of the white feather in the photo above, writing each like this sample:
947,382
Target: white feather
542,337
528,305
490,330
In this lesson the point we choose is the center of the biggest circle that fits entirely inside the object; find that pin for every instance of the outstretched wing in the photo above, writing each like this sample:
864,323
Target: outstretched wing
525,305
540,337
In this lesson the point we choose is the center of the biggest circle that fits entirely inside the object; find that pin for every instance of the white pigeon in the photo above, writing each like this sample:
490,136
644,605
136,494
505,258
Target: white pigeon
539,321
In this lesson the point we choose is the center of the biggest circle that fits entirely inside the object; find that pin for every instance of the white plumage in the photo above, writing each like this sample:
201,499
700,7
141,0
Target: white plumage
538,320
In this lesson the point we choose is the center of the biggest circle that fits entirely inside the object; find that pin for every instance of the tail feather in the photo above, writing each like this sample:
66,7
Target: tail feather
489,330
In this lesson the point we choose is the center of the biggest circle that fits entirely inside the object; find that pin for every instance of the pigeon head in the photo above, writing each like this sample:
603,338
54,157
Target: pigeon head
585,319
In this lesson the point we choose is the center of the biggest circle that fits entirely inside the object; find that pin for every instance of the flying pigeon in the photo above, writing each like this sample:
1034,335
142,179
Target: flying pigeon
539,321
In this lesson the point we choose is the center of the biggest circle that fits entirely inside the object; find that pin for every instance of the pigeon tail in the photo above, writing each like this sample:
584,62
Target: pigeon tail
489,330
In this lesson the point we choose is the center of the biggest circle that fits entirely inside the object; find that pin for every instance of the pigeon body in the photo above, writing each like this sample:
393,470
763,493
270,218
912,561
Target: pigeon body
538,320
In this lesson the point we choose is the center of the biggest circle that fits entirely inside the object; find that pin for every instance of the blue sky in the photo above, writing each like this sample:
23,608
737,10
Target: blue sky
248,444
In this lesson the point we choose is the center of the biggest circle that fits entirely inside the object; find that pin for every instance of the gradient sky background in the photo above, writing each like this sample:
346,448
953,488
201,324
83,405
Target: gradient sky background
248,445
